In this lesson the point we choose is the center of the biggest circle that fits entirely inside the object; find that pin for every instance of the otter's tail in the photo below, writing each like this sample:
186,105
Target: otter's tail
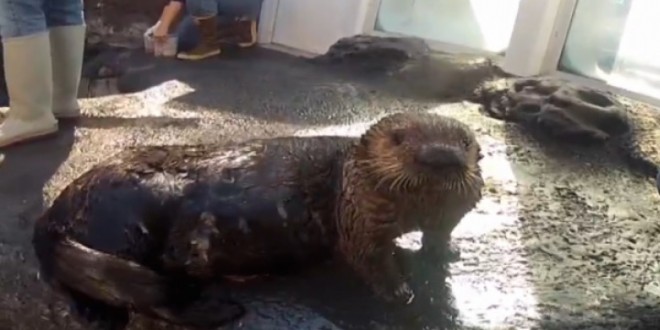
107,278
122,283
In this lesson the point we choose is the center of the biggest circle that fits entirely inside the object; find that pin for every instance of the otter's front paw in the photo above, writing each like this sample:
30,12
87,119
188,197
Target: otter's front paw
438,245
446,252
401,294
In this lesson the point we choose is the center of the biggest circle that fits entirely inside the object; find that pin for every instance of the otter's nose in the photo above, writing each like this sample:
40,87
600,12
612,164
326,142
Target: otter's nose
438,155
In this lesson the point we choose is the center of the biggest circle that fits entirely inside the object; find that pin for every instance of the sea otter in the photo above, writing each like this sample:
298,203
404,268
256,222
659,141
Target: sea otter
409,172
281,208
132,232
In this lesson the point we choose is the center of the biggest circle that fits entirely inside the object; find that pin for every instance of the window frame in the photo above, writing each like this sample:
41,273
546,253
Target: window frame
544,35
541,29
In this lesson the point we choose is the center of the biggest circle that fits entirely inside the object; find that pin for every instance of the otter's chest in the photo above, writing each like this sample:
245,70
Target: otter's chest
434,210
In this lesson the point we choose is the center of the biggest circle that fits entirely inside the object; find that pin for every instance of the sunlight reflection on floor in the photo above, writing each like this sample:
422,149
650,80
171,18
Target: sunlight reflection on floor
155,97
148,103
490,282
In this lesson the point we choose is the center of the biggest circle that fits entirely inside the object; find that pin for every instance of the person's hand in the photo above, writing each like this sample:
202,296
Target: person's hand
161,33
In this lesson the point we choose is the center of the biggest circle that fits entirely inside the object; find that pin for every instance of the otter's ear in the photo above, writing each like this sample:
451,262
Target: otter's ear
398,136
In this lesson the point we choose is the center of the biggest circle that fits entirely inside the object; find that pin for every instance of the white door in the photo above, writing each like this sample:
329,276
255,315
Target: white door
314,25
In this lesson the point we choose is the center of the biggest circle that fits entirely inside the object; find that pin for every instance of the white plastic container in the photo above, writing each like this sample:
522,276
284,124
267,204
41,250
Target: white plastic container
149,44
149,38
169,47
166,49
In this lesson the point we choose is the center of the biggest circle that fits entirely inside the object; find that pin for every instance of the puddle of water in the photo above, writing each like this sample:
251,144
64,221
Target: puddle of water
498,267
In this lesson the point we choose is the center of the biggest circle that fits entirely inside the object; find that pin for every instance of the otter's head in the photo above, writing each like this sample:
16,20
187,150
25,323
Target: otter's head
406,152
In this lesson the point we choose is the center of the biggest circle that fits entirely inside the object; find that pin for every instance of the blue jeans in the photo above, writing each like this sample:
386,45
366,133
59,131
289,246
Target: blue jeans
229,8
19,18
187,32
202,8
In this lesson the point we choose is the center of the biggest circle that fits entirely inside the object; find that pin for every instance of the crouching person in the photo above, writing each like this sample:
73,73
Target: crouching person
209,24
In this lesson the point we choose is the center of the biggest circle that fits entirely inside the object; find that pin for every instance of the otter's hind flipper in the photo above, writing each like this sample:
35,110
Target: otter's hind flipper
119,283
107,278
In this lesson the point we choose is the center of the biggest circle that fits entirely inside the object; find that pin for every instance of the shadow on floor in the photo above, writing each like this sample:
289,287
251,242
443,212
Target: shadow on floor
27,168
333,292
115,122
341,298
258,83
270,85
23,175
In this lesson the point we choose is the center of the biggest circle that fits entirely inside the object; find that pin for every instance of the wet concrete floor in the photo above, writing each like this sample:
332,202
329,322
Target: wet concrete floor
555,244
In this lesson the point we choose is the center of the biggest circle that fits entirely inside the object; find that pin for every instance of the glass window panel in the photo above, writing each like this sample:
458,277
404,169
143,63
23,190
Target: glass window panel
479,24
615,41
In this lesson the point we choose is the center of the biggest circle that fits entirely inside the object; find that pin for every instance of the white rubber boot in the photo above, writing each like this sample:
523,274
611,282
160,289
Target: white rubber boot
30,87
67,45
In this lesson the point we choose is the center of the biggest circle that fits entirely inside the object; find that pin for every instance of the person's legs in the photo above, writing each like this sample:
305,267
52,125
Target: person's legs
66,22
187,34
205,14
237,24
28,71
240,25
249,9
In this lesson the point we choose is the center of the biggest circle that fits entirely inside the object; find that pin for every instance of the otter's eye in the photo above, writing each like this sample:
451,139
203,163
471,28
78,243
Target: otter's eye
466,143
398,137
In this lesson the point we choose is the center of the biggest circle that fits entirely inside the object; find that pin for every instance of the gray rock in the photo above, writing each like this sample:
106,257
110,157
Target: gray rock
375,53
556,107
577,118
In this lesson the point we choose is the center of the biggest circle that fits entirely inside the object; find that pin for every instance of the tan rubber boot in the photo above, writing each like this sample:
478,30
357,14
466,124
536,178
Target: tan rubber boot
250,34
208,44
67,46
28,71
241,32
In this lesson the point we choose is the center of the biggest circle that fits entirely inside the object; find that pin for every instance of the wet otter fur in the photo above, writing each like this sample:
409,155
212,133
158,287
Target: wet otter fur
141,231
99,243
407,172
103,240
268,209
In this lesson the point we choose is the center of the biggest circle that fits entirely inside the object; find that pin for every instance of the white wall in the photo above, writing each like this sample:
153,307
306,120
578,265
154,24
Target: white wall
314,25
